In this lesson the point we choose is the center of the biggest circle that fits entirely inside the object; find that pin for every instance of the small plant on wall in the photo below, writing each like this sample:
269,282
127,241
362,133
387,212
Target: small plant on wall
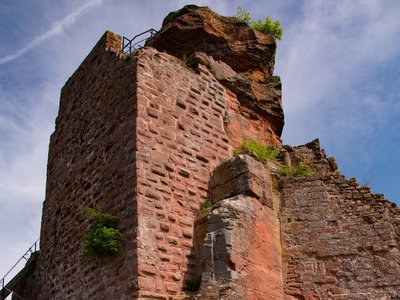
204,208
130,56
103,236
242,16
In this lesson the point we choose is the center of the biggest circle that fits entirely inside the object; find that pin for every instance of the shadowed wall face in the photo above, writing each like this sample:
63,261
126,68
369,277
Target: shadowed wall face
91,161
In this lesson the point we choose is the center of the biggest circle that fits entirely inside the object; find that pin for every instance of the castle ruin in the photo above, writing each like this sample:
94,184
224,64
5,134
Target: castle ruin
150,136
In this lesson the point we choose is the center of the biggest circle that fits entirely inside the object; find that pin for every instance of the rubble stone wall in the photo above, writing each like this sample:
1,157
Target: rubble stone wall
339,240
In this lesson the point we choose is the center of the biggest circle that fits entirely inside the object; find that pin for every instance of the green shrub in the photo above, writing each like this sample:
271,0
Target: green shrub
269,27
298,171
263,152
242,16
103,236
204,208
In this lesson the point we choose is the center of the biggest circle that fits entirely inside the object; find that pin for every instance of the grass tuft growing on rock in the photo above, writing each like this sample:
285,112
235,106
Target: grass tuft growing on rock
262,151
298,171
204,208
269,27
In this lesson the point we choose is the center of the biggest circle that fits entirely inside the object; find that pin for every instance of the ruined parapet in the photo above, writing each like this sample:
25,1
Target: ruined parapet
311,155
241,255
339,240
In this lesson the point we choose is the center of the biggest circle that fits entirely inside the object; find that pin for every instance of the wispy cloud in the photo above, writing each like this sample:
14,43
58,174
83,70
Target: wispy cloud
338,61
57,28
328,56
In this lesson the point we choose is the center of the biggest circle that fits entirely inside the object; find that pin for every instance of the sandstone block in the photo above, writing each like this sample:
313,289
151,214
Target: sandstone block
241,174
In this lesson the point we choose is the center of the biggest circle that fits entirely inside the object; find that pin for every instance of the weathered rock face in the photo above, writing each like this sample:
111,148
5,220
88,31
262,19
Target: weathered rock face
258,96
199,29
239,57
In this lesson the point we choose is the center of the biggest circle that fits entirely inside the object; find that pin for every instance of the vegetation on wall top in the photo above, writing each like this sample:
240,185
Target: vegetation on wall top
268,27
298,171
265,153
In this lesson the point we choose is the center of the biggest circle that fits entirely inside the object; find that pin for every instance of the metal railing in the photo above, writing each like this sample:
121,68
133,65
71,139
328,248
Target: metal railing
26,256
137,42
210,48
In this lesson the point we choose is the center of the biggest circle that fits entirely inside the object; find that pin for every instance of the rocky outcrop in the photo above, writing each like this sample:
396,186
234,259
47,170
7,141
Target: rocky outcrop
194,29
240,58
259,95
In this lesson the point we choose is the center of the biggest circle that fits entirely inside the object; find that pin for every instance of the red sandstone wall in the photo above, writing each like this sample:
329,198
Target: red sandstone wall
339,240
181,138
91,161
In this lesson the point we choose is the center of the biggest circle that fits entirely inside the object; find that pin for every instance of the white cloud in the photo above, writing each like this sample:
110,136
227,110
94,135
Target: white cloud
23,156
328,53
337,61
57,28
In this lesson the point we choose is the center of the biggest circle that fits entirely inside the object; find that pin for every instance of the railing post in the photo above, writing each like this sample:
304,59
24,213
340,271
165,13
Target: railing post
3,290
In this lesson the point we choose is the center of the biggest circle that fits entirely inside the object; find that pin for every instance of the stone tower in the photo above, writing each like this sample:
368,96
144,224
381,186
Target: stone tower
151,136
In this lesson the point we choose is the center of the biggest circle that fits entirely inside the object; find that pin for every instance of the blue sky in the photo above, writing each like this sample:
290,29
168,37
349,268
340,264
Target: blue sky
339,62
